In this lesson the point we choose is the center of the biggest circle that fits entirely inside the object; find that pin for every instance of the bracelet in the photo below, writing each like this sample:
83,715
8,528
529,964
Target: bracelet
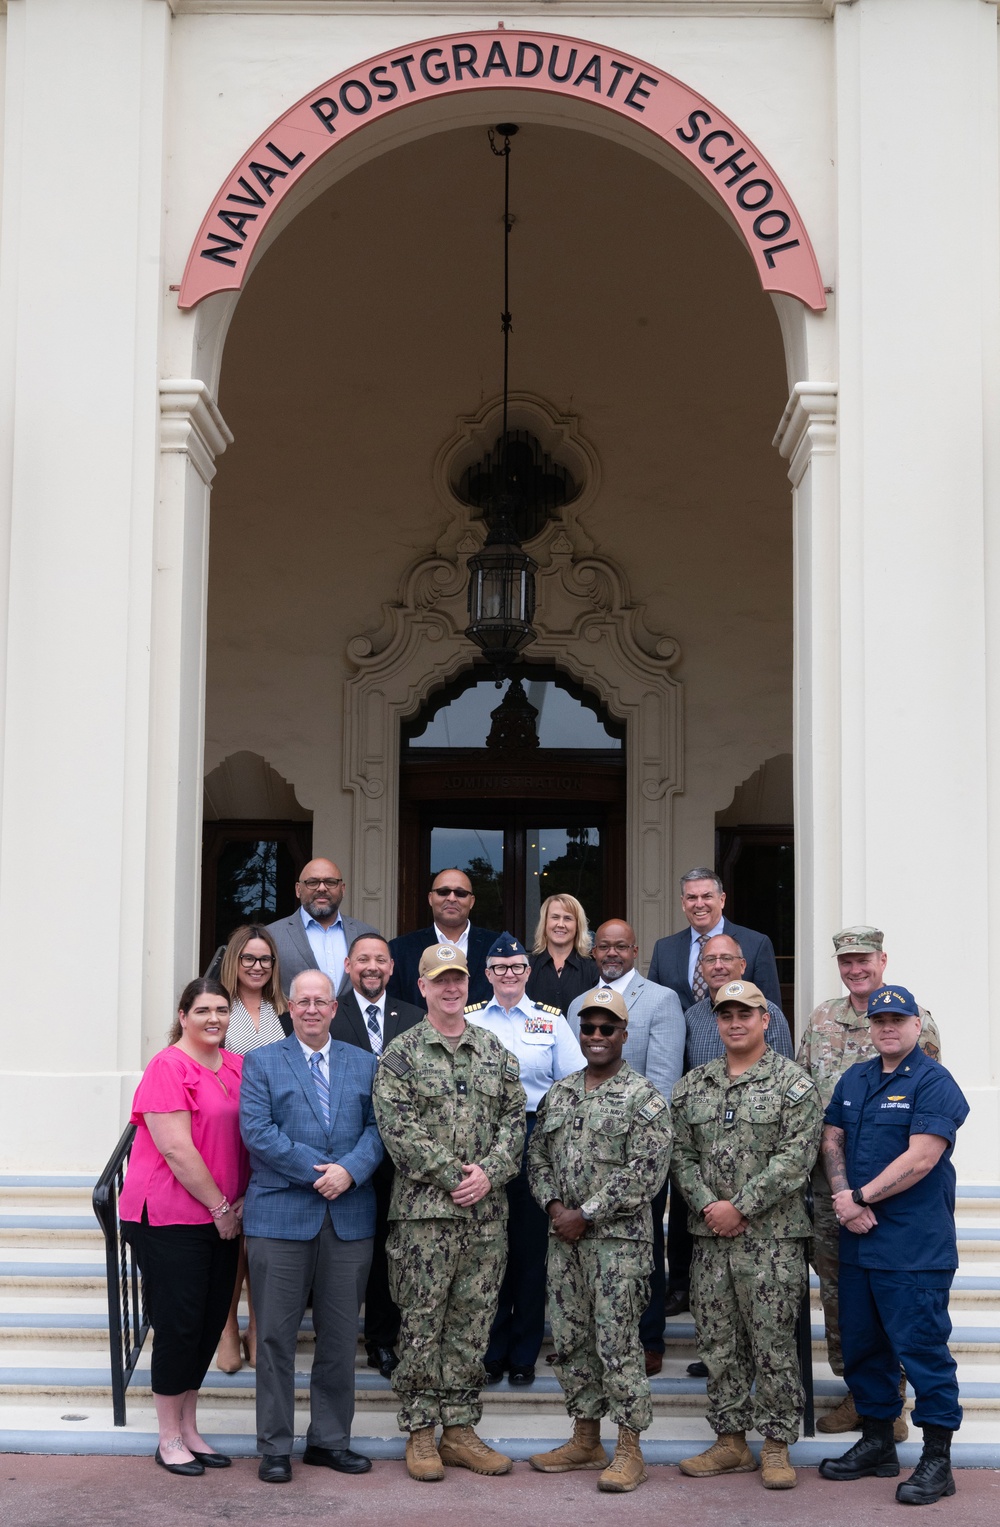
222,1210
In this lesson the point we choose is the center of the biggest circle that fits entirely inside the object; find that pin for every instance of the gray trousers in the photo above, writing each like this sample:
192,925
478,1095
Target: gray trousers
281,1275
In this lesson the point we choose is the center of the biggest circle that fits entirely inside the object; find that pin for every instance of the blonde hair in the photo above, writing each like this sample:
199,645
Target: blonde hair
230,972
584,938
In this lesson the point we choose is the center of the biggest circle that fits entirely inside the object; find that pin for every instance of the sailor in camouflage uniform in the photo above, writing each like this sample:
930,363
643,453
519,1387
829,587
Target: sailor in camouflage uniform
746,1136
598,1155
837,1037
450,1110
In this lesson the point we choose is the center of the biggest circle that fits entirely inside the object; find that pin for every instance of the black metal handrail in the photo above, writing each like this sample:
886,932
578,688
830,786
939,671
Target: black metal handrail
128,1321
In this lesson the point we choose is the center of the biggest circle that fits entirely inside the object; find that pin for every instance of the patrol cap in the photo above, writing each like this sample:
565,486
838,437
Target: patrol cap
892,999
506,947
438,958
603,1000
860,940
740,991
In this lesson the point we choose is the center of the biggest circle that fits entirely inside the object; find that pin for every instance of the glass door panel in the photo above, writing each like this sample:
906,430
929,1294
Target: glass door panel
564,859
479,852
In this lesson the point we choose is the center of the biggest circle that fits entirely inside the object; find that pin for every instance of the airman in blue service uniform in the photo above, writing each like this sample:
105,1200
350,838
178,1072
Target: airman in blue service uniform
888,1137
546,1049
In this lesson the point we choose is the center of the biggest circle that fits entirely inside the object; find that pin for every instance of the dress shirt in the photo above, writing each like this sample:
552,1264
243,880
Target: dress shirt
364,1003
622,983
324,1064
242,1036
704,1044
462,942
695,950
543,1042
329,946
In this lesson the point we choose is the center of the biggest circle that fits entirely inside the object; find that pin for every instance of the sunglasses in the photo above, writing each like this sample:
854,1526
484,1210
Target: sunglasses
451,890
604,1029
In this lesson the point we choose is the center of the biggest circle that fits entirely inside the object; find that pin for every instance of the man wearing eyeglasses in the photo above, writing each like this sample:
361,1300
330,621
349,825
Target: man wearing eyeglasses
318,935
451,901
546,1049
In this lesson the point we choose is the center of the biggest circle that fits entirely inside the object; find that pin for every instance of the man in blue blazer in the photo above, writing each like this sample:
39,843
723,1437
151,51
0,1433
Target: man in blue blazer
675,957
309,1216
451,900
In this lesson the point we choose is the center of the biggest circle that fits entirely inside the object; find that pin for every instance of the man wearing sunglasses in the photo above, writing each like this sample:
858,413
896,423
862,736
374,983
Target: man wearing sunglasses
318,935
451,901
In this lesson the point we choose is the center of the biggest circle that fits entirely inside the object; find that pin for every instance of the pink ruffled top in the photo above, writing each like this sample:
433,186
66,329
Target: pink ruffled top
174,1083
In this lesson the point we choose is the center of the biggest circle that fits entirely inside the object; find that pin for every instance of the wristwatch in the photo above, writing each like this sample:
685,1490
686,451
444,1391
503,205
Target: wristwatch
859,1198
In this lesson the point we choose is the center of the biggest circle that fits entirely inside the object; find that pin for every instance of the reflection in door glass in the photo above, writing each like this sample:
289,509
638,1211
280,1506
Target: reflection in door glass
566,859
255,883
479,852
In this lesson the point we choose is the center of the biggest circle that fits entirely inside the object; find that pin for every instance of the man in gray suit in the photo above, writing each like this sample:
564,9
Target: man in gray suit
655,1048
318,935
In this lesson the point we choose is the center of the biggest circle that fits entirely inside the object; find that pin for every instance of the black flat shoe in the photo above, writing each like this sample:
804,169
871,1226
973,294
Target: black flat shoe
275,1469
697,1370
344,1459
521,1377
188,1469
384,1359
677,1302
494,1372
213,1460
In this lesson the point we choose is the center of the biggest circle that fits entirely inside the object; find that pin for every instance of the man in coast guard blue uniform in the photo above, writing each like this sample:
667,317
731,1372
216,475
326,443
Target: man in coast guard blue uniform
888,1137
547,1050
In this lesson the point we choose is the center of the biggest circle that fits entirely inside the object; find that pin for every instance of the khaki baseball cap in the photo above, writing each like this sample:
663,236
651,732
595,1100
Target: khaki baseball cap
438,958
603,1000
740,991
860,940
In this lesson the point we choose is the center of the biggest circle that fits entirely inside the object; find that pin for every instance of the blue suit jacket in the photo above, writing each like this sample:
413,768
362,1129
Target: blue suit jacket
669,965
282,1124
407,949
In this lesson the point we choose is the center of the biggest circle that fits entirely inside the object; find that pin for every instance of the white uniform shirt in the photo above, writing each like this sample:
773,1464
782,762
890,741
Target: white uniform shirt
540,1037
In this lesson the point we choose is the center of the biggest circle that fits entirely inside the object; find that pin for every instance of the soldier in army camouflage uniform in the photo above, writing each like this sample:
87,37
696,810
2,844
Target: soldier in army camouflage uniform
450,1110
836,1038
746,1135
598,1155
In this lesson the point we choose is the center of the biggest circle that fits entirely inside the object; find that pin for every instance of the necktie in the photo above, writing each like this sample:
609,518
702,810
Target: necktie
321,1086
699,986
373,1028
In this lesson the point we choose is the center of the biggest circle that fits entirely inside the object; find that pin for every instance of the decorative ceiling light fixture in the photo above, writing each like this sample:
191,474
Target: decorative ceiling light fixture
502,575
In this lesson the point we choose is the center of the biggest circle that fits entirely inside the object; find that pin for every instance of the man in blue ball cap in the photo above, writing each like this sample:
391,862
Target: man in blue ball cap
888,1137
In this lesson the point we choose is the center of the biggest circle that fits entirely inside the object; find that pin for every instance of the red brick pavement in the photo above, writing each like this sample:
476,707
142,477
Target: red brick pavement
113,1492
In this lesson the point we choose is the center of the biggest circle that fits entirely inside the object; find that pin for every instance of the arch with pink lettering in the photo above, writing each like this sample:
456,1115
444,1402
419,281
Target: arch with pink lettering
691,126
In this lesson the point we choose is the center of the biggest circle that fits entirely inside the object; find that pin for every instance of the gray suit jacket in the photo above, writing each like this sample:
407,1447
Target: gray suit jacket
656,1032
295,953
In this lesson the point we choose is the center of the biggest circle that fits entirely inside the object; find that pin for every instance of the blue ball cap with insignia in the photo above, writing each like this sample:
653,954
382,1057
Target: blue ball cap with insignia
892,999
506,947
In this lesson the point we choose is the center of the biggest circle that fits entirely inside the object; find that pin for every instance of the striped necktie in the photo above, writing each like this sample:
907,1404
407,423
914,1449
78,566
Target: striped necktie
322,1087
374,1031
699,986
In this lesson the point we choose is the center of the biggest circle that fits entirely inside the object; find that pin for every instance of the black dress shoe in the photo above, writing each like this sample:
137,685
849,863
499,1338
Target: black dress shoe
275,1469
677,1302
697,1370
384,1359
343,1459
494,1372
521,1376
190,1469
213,1460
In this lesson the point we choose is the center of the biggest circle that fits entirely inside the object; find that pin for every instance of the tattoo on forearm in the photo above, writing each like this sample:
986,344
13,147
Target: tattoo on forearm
834,1163
888,1186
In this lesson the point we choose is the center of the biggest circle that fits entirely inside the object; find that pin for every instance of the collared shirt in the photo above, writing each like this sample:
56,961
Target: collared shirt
558,988
364,1003
538,1035
622,983
696,947
462,942
324,1054
329,946
704,1044
878,1111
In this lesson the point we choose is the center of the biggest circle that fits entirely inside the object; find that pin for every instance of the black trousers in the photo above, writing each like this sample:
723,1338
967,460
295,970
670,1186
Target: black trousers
381,1314
519,1324
680,1242
189,1273
654,1316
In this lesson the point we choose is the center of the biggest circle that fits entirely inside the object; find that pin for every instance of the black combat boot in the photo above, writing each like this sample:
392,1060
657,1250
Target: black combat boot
874,1454
932,1476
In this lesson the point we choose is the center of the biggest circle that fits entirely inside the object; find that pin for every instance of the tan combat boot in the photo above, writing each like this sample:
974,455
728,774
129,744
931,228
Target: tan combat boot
728,1454
626,1471
462,1449
900,1430
583,1451
423,1461
776,1472
842,1419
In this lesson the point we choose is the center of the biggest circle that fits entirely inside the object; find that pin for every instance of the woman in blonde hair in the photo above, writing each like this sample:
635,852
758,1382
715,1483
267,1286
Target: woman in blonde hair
250,971
561,967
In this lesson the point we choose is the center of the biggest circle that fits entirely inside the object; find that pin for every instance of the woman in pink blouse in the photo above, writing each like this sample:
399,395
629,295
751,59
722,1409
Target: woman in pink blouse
181,1208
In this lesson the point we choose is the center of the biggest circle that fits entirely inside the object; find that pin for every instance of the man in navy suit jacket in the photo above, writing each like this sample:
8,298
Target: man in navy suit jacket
675,957
451,900
309,1215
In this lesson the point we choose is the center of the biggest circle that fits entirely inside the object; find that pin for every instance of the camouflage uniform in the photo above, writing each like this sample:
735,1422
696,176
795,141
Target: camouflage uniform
838,1037
436,1109
752,1140
605,1151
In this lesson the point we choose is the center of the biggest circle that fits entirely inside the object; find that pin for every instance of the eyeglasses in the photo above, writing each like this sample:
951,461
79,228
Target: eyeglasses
614,948
509,970
720,959
604,1029
305,1003
451,890
314,885
248,961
